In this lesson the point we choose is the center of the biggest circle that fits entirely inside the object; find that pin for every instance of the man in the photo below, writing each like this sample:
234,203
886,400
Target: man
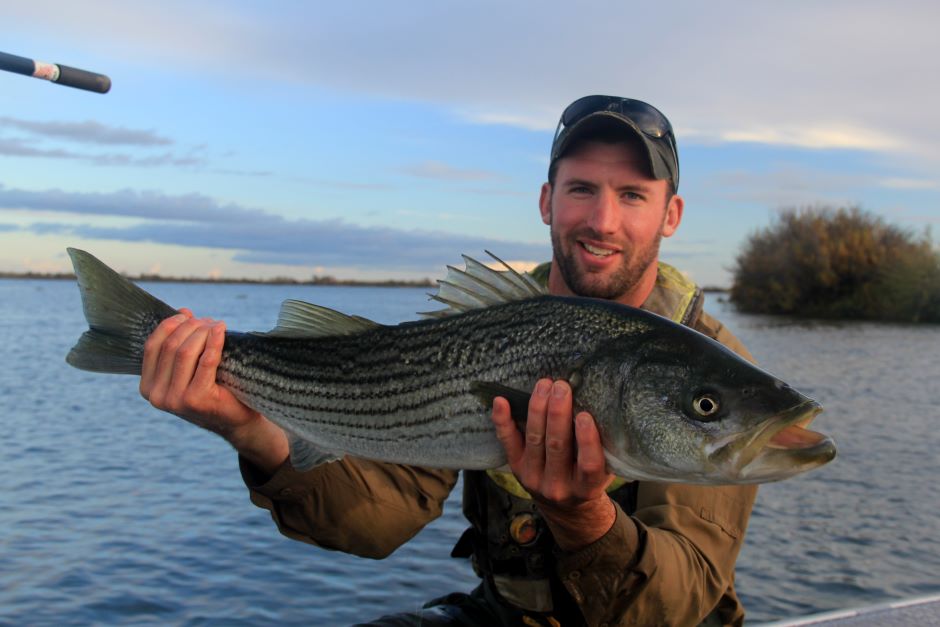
560,541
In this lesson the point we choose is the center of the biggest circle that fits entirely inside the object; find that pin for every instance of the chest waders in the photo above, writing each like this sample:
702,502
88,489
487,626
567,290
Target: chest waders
509,543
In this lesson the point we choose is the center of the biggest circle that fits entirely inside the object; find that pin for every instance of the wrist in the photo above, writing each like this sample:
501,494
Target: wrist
577,526
261,442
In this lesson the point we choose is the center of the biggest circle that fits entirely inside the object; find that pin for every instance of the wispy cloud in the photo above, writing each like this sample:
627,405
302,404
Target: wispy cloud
88,132
18,147
147,204
443,171
530,121
257,235
833,137
784,186
351,185
905,183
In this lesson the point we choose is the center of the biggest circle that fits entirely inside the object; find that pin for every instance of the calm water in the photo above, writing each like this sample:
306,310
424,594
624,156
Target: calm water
114,513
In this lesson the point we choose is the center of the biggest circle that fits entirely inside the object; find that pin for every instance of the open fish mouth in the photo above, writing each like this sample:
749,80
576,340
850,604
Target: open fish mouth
782,446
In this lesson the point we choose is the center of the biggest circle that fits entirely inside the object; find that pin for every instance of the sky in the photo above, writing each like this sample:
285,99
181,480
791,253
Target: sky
379,140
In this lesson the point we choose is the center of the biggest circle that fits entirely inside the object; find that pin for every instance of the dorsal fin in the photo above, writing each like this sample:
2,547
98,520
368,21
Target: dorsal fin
478,286
298,319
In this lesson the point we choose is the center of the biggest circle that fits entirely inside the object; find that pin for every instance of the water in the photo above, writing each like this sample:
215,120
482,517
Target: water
114,513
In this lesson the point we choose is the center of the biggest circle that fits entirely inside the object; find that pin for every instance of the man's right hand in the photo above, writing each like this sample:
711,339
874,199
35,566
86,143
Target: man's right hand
178,375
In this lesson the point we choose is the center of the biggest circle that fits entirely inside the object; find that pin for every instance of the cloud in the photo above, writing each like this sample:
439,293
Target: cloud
310,242
905,183
442,171
818,137
784,186
129,203
258,236
16,147
89,132
233,172
341,184
723,68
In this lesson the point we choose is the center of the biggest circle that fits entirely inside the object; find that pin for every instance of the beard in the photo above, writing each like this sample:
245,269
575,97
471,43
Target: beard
611,285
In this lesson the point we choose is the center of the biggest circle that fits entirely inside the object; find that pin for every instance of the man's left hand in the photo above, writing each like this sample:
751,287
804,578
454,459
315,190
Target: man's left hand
560,462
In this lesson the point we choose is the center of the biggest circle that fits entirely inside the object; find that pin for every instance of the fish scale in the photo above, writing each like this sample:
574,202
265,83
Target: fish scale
407,380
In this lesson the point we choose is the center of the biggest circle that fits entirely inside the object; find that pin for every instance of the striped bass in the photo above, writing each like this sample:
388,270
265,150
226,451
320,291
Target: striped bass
670,403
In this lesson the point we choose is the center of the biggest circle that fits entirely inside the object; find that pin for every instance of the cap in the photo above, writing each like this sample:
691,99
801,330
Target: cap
596,113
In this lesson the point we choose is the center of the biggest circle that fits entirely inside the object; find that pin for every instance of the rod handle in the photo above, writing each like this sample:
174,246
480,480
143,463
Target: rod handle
83,79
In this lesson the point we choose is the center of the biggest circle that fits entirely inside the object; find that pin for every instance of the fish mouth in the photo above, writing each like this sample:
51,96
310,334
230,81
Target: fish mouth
782,446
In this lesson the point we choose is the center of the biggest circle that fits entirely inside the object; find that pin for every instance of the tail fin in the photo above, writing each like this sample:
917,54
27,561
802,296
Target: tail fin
120,317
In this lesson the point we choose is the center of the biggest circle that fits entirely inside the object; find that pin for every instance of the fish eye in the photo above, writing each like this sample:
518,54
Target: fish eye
706,405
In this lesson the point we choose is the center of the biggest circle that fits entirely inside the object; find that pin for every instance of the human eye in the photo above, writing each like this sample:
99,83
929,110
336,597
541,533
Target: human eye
579,189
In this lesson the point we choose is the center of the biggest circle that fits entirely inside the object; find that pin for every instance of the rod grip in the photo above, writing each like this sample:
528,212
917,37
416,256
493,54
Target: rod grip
83,79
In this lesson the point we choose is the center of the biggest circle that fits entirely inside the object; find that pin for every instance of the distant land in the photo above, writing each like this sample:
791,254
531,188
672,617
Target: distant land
317,280
156,278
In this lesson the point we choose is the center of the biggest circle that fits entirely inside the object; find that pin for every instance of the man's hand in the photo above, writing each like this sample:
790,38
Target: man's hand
178,374
560,462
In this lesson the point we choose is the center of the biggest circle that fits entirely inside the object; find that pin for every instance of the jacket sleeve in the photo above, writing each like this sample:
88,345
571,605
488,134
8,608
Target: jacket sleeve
672,561
336,505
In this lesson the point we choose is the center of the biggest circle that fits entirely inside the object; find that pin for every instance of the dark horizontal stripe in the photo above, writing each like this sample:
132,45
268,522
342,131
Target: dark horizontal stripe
387,383
417,436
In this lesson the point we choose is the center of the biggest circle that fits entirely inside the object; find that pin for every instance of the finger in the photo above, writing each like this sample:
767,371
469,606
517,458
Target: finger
592,464
152,348
534,457
211,357
166,362
187,360
507,433
559,436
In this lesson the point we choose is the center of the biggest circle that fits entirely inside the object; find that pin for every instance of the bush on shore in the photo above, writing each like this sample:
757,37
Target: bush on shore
838,263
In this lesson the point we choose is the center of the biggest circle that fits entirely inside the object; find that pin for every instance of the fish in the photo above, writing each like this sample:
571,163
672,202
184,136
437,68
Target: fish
670,404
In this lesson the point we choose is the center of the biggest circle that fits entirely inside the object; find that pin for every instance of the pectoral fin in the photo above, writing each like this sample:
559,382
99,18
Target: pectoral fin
304,455
486,391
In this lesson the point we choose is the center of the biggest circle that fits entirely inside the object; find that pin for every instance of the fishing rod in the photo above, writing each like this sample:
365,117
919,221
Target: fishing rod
61,74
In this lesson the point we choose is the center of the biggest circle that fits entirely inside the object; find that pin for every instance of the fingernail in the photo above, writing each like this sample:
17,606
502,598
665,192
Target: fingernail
543,388
559,389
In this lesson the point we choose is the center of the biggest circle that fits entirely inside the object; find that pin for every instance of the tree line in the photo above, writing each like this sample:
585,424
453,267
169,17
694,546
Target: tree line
838,263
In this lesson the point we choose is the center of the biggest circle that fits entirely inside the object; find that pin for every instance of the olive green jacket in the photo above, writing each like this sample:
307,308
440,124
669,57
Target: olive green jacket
670,563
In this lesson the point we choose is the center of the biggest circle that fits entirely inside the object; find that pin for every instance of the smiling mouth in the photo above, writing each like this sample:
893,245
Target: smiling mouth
597,251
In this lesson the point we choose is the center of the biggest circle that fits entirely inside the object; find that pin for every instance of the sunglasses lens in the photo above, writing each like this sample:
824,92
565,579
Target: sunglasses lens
647,119
585,106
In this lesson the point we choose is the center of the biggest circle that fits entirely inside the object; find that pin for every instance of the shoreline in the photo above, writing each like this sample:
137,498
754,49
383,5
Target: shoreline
319,281
153,278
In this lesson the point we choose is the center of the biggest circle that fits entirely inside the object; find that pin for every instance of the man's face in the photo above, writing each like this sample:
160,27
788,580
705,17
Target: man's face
607,217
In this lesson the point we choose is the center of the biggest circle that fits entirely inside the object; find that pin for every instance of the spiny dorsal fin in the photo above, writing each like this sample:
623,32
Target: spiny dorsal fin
298,319
479,286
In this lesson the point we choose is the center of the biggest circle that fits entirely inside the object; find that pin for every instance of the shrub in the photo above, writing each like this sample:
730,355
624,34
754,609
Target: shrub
838,263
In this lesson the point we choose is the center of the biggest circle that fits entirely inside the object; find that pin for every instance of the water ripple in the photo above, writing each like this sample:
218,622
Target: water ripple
114,513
